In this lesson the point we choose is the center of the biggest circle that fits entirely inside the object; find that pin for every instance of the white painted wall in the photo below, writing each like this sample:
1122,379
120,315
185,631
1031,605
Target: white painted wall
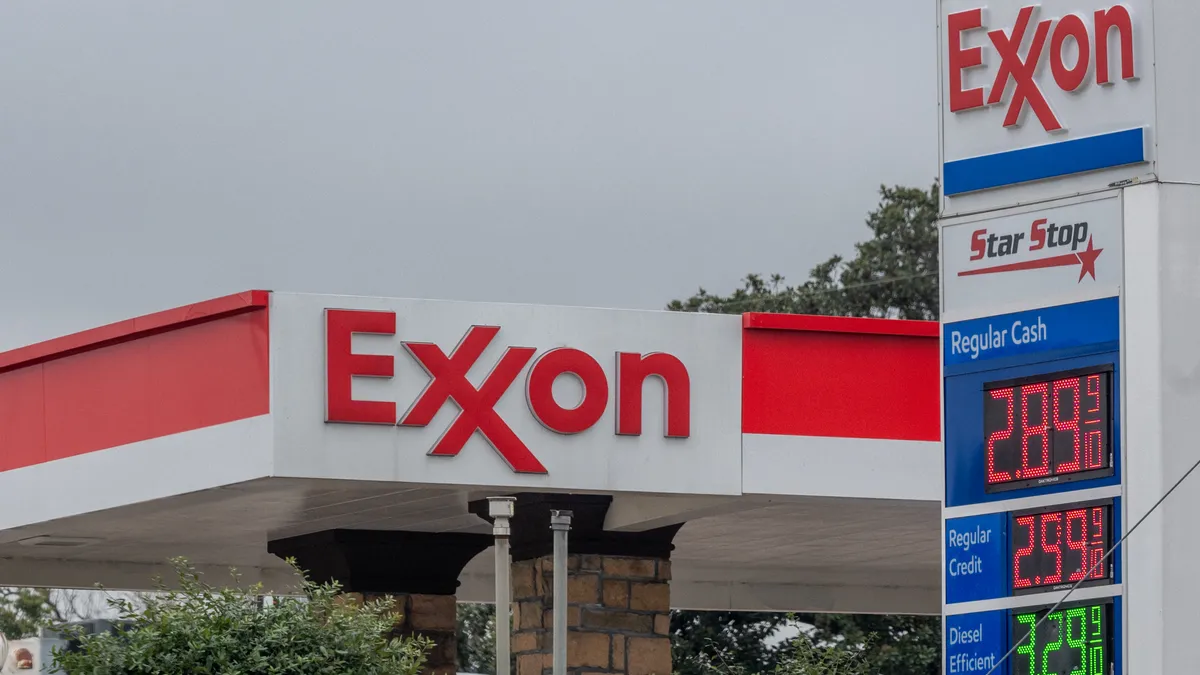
158,468
1143,439
1162,446
1178,91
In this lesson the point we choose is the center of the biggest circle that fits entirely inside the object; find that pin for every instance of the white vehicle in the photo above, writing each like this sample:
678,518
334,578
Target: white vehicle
30,655
36,654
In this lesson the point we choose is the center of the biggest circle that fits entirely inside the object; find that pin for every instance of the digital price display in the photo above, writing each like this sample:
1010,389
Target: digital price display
1071,641
1059,547
1048,429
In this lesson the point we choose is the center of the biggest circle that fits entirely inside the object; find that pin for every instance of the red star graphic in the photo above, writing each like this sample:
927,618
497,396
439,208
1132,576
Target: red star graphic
1087,260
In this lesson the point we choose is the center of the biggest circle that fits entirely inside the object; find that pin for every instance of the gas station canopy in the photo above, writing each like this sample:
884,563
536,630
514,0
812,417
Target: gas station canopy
801,454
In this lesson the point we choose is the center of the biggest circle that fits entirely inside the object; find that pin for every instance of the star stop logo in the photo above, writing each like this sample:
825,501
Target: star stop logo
1045,245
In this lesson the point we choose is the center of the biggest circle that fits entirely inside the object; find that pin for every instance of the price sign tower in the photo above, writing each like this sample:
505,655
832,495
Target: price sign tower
1070,280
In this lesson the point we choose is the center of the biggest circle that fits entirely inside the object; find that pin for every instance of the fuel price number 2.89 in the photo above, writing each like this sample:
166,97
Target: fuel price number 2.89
1047,429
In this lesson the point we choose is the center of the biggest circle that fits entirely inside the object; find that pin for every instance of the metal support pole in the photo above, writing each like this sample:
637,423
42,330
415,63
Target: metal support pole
560,522
501,509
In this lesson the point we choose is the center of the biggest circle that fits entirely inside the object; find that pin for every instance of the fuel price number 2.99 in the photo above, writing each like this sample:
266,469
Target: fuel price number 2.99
1055,548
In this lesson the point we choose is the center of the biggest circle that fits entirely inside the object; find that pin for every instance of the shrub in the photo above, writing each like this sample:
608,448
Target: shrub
801,657
198,629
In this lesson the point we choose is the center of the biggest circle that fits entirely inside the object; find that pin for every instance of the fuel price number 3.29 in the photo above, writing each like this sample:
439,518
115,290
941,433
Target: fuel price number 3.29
1070,641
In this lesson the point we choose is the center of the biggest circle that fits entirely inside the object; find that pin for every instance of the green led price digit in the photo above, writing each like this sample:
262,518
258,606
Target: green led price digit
1079,641
1027,646
1052,646
1096,639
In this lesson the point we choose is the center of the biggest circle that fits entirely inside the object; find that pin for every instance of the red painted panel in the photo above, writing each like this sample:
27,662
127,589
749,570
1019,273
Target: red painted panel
168,381
97,399
238,389
22,419
131,329
843,384
840,324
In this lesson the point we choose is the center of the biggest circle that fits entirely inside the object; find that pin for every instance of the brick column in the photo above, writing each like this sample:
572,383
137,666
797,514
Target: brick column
434,617
617,615
618,591
431,616
417,570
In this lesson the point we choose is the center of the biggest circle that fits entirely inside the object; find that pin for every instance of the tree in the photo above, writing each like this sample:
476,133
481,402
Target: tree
806,656
903,645
739,638
199,629
24,610
802,655
894,274
477,638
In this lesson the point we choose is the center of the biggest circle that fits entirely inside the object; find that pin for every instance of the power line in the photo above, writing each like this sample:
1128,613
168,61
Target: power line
1128,532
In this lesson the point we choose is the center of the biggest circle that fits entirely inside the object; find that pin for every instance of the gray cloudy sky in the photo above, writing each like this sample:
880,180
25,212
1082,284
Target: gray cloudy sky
591,153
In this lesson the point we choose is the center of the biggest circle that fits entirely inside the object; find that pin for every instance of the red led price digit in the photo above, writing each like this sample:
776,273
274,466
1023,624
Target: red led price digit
1040,431
1018,580
1071,424
1093,437
1048,520
1097,538
1097,554
1093,390
1000,435
1079,543
1093,449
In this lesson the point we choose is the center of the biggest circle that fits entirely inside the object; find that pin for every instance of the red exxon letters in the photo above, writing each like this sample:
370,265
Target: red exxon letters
1023,70
448,381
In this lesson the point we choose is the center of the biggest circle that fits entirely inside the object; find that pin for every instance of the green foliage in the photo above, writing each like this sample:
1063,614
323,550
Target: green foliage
805,657
739,639
200,629
894,274
24,610
801,655
477,638
892,644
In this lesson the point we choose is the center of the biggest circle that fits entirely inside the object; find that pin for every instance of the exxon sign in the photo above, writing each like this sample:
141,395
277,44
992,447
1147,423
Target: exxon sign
1036,91
448,382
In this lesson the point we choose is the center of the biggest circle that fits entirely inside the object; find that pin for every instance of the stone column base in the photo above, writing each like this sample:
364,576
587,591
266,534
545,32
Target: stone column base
618,615
434,617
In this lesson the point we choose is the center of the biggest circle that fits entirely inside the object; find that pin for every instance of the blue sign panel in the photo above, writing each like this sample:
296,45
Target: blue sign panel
1024,334
966,447
1117,148
976,566
975,643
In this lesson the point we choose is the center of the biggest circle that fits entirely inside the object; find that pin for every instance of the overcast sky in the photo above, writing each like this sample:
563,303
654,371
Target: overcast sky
615,154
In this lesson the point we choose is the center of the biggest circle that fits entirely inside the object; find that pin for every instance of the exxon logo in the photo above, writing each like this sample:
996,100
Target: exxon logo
477,413
1023,48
